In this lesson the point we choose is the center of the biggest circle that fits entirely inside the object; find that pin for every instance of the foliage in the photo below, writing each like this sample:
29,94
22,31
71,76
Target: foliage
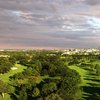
47,75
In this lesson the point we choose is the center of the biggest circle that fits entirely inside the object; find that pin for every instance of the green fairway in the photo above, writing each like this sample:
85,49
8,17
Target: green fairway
82,73
96,62
87,76
5,77
90,82
7,97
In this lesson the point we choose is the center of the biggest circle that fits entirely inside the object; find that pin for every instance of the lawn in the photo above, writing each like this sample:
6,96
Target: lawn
5,77
7,97
97,62
90,82
82,73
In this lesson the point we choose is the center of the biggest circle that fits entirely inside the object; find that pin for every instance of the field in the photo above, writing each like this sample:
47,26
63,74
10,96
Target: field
48,75
7,97
90,81
5,78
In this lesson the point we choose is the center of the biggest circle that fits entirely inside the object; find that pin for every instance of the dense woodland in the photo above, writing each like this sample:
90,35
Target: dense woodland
47,76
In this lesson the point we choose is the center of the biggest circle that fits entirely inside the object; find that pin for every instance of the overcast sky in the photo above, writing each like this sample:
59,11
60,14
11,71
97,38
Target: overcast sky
28,24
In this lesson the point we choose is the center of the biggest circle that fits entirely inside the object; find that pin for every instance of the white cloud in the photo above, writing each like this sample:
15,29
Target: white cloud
79,23
94,22
23,17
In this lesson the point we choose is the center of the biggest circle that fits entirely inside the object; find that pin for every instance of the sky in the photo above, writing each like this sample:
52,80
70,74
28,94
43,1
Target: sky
29,24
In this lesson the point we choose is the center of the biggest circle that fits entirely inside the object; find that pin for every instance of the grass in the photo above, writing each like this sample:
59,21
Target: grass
5,77
90,82
82,73
7,97
97,62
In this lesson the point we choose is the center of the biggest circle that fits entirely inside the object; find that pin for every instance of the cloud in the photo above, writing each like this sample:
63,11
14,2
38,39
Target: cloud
94,22
49,23
92,2
23,17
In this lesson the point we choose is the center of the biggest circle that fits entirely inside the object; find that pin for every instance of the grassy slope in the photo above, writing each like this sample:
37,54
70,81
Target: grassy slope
82,73
7,97
90,82
96,62
5,78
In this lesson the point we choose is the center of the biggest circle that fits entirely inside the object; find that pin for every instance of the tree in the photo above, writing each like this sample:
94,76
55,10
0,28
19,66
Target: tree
5,65
49,88
36,92
4,88
22,94
97,67
53,96
69,85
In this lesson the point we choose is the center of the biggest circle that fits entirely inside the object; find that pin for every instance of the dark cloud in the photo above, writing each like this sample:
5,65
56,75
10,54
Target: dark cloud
93,2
